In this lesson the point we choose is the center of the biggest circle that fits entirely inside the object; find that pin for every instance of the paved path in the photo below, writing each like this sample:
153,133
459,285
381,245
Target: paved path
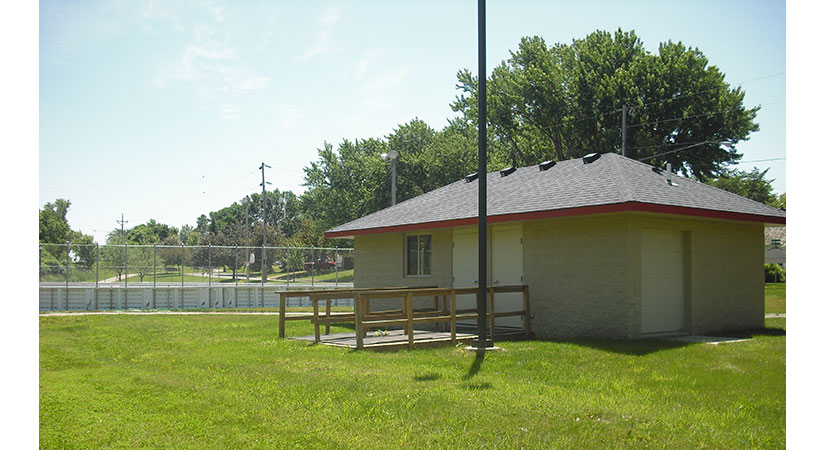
775,316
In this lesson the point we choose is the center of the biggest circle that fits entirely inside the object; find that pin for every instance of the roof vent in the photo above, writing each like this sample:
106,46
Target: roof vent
669,175
471,177
546,165
589,158
507,171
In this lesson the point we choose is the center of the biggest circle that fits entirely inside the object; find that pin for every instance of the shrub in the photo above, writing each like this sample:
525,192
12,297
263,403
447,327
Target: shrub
774,273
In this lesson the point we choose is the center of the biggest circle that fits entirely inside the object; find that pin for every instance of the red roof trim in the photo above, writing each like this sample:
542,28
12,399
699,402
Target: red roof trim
568,212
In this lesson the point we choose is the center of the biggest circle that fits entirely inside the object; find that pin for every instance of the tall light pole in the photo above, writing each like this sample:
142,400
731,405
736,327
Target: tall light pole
263,207
481,299
392,156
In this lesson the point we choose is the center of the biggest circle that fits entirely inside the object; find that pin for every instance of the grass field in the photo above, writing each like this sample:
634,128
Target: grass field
223,381
774,298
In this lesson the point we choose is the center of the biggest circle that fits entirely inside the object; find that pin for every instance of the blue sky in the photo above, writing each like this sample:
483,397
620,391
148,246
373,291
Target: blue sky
164,110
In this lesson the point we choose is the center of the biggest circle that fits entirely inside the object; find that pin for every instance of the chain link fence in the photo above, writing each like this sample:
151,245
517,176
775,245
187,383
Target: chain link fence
164,265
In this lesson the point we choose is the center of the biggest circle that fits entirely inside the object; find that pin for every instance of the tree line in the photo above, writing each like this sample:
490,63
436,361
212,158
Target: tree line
602,93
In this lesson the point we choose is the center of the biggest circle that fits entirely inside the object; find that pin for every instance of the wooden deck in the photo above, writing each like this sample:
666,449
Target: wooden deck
442,311
396,339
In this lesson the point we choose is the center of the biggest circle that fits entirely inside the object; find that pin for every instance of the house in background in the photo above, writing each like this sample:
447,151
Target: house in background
609,247
775,245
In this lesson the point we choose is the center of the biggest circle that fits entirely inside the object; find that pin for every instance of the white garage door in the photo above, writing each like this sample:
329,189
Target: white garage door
663,301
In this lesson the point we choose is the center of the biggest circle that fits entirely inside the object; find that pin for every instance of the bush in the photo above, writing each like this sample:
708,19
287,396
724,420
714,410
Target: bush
774,273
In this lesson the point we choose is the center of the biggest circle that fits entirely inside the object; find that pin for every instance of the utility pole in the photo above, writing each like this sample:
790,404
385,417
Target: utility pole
122,222
624,129
126,249
263,205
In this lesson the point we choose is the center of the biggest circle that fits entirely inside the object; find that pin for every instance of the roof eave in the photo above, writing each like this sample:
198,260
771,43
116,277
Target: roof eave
567,212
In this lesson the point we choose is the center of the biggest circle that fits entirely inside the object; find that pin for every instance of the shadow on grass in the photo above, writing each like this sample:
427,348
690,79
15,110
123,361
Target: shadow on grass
430,376
475,367
755,333
635,347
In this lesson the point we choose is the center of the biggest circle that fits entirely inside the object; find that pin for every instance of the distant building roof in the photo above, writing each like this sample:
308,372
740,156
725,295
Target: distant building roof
611,183
772,233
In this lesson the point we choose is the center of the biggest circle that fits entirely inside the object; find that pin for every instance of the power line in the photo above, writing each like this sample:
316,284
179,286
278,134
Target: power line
672,119
707,90
760,160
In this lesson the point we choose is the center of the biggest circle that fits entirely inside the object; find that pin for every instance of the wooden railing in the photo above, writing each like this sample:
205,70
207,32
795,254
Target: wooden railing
443,311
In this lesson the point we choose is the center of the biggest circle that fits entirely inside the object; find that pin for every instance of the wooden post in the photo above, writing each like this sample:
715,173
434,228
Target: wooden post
315,318
452,317
404,313
282,315
492,313
444,311
329,311
359,327
527,331
409,302
365,310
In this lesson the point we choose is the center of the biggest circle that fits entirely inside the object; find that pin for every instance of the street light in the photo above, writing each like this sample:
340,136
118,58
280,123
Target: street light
392,156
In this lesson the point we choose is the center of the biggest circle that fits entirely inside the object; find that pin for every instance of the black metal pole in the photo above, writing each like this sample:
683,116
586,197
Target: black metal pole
481,298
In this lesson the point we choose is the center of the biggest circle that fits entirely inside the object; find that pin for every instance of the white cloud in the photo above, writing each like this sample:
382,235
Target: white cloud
326,24
378,91
288,118
230,111
363,65
213,64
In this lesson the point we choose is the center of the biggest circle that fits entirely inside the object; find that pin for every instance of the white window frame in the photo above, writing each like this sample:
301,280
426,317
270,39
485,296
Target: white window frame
419,258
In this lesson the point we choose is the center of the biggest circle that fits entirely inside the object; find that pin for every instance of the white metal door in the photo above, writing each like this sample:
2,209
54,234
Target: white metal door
663,304
465,267
507,270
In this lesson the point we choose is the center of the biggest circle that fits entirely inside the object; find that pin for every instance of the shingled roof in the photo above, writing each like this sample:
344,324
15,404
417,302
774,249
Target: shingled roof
611,183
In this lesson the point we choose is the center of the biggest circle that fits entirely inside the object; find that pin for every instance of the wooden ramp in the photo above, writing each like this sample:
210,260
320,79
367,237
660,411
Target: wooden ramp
389,339
396,339
369,323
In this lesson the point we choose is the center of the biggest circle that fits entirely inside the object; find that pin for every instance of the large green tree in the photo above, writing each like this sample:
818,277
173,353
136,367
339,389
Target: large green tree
55,229
752,185
564,101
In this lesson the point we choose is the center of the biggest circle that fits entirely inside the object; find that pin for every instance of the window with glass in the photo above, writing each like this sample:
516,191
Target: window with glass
419,255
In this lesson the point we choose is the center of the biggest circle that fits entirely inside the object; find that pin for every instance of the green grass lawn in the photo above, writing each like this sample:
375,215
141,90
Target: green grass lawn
774,298
223,381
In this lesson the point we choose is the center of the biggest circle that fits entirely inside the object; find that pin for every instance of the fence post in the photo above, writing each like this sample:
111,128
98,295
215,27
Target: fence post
182,260
336,268
312,266
97,271
68,262
126,268
359,326
282,315
410,334
154,275
452,317
527,326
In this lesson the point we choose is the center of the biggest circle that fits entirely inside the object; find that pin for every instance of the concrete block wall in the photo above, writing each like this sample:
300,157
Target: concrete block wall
381,262
723,272
577,271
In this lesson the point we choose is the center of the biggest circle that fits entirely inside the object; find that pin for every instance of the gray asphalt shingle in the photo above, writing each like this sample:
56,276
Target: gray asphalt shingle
610,180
